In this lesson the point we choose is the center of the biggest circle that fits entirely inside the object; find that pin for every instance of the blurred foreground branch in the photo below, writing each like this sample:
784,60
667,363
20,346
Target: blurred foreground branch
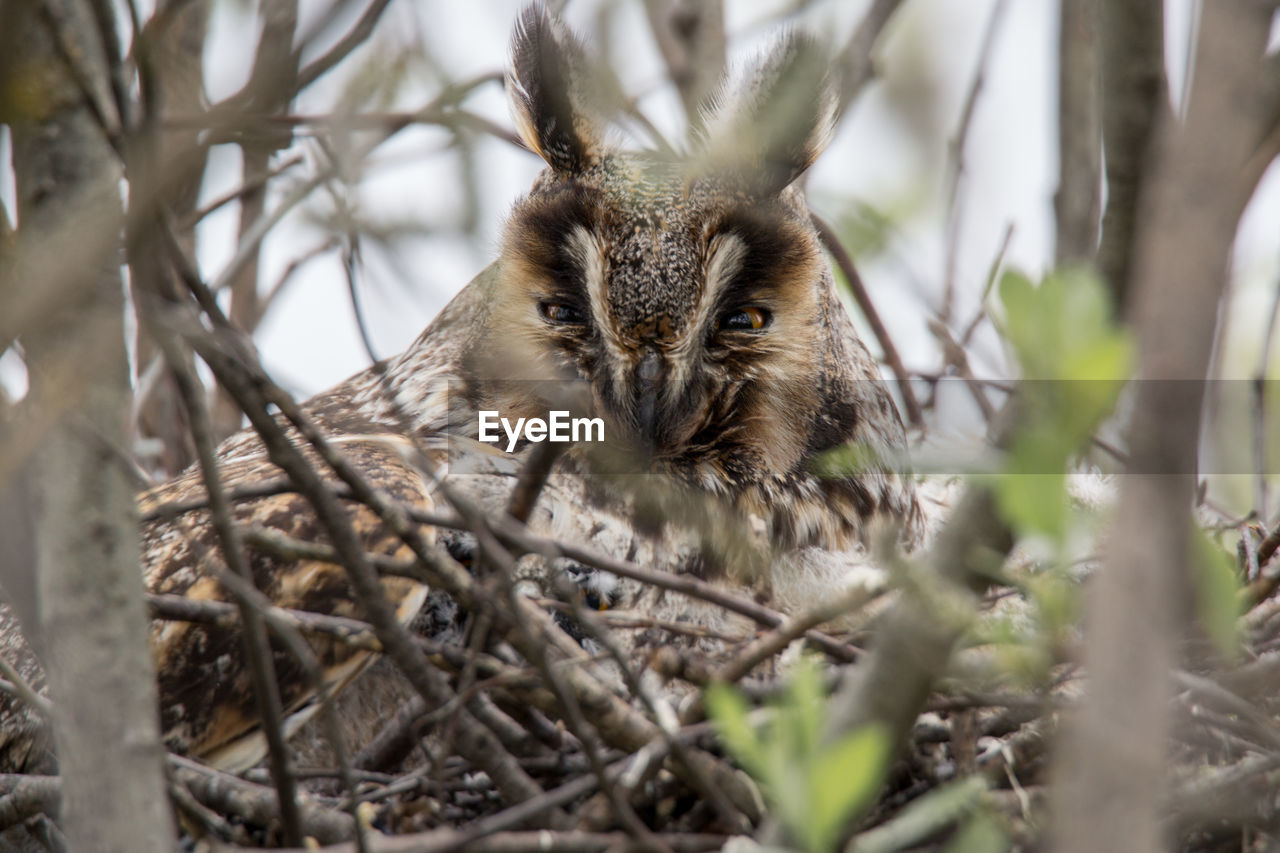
92,620
1111,773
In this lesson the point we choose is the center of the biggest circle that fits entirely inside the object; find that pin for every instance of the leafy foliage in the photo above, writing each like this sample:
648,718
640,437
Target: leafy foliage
1074,361
1217,585
814,786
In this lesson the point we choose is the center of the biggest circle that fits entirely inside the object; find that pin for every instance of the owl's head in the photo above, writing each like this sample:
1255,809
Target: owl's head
689,290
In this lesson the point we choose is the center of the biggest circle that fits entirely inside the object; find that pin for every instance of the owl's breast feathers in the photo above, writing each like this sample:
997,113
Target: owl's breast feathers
207,698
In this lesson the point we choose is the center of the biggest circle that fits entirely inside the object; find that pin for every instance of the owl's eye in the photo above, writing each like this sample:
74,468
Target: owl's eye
594,600
561,314
745,320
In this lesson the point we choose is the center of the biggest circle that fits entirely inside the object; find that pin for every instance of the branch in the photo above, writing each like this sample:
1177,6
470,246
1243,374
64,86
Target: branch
1134,95
1111,771
1078,200
863,297
690,35
854,62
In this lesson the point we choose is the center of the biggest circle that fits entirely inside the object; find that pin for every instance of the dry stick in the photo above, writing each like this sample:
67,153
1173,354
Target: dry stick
210,822
105,17
532,477
253,803
252,184
691,39
252,394
253,391
618,721
854,61
996,263
24,690
629,728
521,538
556,797
227,794
512,535
863,297
955,356
1260,724
257,648
1077,204
769,644
1134,96
1262,587
572,841
287,547
955,148
350,257
27,795
103,110
667,723
503,561
179,608
355,37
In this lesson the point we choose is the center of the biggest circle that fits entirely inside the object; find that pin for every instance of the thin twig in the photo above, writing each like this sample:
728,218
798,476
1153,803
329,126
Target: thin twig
956,150
855,61
355,37
992,273
24,690
863,297
257,649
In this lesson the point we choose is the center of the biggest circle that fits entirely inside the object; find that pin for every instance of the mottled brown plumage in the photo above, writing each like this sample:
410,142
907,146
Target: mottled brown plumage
685,300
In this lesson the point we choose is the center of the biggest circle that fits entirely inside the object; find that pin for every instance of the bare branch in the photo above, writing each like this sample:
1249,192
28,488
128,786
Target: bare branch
956,150
855,60
1111,769
93,624
1077,203
1134,95
863,297
691,37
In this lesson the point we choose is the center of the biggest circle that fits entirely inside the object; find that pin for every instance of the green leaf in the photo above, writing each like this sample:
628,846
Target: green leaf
1033,503
1218,588
924,817
1074,360
844,780
728,710
981,834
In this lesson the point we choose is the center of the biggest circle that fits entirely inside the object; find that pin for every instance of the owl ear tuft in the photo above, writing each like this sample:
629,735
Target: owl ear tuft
772,127
546,84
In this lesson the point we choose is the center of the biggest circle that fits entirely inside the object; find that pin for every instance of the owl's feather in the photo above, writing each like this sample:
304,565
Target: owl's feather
208,703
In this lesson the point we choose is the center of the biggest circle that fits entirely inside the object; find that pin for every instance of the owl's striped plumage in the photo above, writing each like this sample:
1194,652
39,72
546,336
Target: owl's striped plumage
683,299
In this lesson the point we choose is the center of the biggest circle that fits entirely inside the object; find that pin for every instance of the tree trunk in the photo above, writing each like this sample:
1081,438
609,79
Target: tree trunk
89,587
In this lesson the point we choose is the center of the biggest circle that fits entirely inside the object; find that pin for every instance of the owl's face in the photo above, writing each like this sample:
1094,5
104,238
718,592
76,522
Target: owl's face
688,306
689,292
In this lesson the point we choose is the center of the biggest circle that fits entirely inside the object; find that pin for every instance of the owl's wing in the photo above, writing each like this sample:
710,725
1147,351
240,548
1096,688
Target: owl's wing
206,695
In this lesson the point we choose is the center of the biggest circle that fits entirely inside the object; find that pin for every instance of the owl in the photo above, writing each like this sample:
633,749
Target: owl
677,303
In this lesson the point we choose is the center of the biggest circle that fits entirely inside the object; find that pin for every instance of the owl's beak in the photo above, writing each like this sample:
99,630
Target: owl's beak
648,383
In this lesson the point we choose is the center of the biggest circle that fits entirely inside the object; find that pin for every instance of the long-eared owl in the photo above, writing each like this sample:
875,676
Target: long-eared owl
681,298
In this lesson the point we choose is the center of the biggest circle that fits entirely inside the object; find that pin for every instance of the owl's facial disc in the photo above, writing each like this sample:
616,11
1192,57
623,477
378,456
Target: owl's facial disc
678,300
